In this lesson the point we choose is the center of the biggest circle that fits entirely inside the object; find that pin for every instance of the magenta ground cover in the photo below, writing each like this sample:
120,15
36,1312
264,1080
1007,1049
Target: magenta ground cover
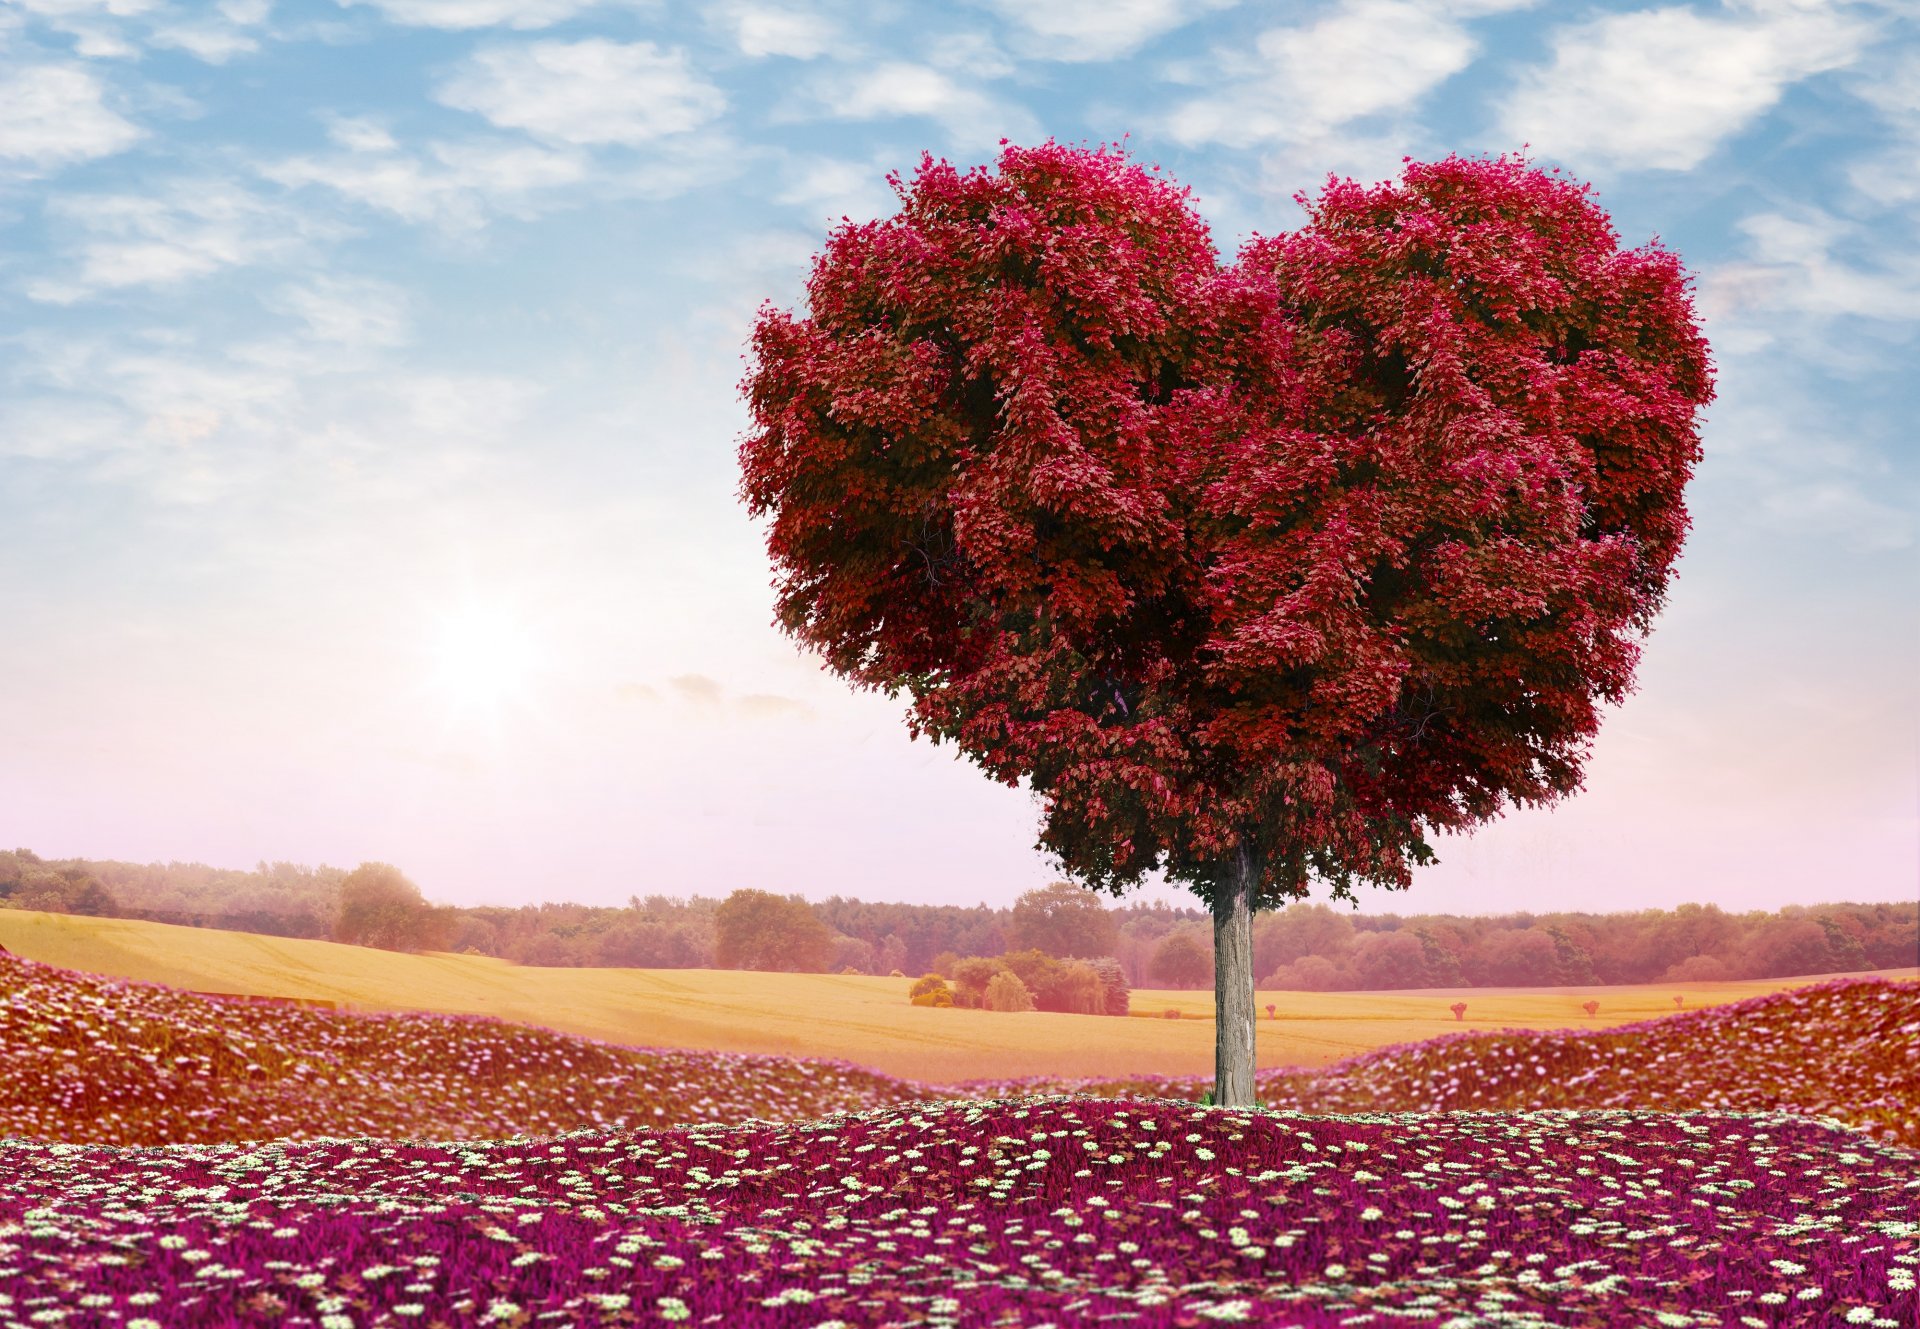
1522,1178
1064,1211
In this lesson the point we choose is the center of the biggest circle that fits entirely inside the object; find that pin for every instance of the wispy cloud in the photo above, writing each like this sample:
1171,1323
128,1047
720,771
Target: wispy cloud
1298,83
1801,270
116,29
463,14
777,30
586,92
1662,88
453,185
347,311
829,188
1087,30
899,88
189,230
1891,175
55,114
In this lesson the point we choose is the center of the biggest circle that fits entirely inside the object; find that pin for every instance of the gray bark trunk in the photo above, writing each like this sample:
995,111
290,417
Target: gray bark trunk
1233,1026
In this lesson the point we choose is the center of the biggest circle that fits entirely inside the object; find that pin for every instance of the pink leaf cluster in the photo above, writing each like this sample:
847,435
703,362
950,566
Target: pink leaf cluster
1308,554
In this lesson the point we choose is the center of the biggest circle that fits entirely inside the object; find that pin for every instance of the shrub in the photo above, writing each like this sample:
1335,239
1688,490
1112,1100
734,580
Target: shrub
896,974
1172,1013
1005,992
970,979
1459,1009
939,997
930,983
1590,1007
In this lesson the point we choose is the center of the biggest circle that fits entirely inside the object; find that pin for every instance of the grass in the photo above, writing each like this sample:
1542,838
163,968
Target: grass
866,1020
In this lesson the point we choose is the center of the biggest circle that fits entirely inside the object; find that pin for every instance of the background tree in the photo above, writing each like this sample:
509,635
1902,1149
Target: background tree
1113,983
1517,959
759,930
1299,930
1041,974
854,953
1382,961
1005,992
1256,575
380,907
1080,991
1310,973
970,979
1063,920
1182,961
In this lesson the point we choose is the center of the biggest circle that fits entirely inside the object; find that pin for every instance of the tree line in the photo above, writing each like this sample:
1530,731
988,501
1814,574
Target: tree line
1305,946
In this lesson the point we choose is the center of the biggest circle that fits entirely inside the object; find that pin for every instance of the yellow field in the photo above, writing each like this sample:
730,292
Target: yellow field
862,1020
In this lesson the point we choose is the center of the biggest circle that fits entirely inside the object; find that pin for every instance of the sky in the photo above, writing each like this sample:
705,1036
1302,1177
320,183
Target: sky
369,415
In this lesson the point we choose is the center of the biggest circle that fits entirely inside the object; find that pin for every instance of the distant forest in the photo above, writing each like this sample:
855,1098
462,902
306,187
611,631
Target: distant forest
1303,946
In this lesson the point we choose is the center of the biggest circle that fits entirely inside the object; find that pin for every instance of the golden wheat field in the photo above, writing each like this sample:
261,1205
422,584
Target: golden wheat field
862,1020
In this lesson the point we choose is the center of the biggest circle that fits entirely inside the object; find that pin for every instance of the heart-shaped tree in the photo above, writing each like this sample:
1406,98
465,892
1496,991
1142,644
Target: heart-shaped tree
1255,573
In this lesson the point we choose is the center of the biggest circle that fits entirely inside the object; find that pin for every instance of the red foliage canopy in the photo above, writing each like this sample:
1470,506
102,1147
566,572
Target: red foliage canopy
1299,557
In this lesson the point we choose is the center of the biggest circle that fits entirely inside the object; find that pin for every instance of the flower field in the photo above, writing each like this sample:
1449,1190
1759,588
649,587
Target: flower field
580,1182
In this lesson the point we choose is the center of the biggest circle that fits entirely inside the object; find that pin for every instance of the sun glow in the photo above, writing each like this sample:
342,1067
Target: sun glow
484,657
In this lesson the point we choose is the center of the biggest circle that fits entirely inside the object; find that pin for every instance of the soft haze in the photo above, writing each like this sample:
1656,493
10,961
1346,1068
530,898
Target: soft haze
368,419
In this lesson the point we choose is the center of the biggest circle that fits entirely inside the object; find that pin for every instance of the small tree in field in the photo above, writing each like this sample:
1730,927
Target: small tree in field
1590,1007
380,907
1255,573
1180,961
970,979
1005,992
1459,1009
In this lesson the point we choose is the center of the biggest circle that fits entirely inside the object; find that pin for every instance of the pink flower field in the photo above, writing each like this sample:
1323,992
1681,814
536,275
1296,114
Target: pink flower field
174,1160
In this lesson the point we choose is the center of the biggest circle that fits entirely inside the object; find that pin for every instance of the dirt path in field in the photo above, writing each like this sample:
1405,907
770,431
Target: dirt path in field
862,1020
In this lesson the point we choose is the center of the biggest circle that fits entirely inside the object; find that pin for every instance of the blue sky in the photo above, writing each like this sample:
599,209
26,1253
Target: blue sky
368,418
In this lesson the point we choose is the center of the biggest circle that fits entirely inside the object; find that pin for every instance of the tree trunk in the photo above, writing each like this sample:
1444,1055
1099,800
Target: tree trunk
1233,1026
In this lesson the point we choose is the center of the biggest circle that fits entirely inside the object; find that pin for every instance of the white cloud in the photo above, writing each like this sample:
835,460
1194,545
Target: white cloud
210,33
1297,84
349,312
64,9
761,30
1081,30
898,88
455,186
303,419
829,188
1891,176
460,14
1800,271
161,240
585,92
1789,468
212,42
1662,88
971,54
54,114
